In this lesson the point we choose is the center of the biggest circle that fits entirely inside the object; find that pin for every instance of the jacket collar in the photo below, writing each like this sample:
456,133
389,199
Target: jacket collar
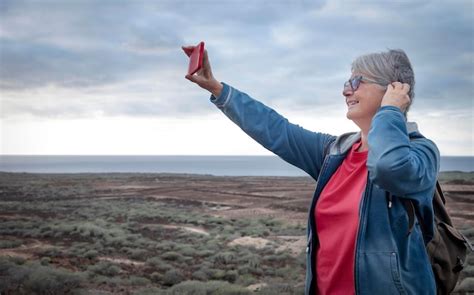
345,141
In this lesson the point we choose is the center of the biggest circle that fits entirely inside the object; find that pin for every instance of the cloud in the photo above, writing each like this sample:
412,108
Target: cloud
111,58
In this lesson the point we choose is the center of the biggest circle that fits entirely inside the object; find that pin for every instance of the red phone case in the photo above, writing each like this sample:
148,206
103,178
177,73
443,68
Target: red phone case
195,60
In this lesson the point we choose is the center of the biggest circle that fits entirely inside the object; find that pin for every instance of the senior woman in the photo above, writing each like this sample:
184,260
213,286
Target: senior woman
357,232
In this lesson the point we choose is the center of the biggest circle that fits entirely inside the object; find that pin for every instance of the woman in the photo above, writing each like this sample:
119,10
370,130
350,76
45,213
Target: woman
357,232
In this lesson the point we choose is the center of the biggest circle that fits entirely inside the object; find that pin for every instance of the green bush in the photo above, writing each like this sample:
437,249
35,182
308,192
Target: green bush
138,281
148,291
231,276
158,263
466,285
200,275
278,288
246,279
172,256
105,268
187,251
469,271
4,244
91,254
34,278
172,277
138,254
45,261
204,288
52,281
156,277
225,257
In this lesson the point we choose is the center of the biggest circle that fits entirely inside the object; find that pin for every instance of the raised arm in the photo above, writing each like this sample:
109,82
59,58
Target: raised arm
300,147
396,163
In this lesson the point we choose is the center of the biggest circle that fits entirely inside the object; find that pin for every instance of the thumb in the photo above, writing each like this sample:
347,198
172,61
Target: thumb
190,78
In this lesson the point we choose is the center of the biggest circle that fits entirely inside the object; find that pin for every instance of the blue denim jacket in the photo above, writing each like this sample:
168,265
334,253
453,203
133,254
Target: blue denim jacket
387,260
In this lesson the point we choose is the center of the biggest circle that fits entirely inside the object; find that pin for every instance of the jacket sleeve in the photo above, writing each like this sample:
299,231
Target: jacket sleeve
294,144
396,164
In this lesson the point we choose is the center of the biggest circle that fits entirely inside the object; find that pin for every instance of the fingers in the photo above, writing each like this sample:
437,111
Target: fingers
401,86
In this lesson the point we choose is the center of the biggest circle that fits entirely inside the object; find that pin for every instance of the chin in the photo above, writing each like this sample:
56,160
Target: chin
350,115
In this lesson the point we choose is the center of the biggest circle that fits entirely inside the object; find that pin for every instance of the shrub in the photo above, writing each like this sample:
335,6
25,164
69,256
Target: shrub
45,261
52,281
466,285
217,274
156,277
172,277
225,257
105,268
246,279
187,251
138,281
468,232
91,254
148,291
158,264
9,244
172,256
204,253
203,288
34,278
138,254
277,288
52,252
231,276
200,275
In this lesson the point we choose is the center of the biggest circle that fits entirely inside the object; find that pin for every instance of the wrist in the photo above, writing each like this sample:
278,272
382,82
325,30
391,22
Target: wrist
216,88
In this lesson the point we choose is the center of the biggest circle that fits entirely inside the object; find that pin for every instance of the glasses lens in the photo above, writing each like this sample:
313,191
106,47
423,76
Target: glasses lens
347,84
355,82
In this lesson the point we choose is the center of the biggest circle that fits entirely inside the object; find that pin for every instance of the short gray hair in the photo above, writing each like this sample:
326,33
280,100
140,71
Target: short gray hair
387,67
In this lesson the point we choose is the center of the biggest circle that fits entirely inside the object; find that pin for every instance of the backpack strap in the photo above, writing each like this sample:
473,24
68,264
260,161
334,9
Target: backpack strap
410,208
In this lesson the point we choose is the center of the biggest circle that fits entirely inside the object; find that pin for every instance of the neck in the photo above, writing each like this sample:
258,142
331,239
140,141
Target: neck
364,146
364,131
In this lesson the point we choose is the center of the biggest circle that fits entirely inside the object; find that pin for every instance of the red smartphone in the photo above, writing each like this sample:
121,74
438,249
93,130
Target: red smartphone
195,59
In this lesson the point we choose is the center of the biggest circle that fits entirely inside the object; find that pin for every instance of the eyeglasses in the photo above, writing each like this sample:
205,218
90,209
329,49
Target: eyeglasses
355,81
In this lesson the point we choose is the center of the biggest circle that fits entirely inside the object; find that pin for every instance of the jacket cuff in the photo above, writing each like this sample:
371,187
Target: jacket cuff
223,97
390,109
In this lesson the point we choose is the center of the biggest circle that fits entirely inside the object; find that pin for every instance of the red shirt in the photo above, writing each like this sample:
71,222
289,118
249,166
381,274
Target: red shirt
337,221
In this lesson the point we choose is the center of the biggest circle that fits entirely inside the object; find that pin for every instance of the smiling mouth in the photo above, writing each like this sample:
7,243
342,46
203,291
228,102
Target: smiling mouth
352,103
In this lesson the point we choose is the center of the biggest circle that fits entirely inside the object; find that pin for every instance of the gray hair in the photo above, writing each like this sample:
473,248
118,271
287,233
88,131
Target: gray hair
387,67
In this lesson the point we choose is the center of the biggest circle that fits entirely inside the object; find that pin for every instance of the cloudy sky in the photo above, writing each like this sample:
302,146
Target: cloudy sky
84,77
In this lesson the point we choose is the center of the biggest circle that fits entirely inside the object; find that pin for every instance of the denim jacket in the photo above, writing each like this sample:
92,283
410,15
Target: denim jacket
400,162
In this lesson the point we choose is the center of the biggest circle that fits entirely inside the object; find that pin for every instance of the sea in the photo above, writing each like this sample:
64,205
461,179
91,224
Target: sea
210,165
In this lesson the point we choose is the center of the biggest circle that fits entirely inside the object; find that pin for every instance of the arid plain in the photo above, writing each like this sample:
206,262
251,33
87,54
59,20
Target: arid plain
168,233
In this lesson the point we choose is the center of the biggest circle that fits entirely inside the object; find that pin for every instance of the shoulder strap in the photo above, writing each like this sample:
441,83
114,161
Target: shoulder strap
408,204
410,208
438,199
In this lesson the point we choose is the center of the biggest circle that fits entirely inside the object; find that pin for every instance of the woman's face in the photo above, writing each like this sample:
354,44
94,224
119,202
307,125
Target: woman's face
363,103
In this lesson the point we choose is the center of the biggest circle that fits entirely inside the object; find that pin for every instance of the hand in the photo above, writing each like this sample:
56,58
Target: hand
397,95
204,77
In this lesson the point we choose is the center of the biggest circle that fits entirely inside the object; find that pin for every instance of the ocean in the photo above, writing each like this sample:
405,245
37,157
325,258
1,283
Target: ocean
214,165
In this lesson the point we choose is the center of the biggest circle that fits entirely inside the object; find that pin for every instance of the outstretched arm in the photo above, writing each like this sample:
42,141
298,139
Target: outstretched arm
300,147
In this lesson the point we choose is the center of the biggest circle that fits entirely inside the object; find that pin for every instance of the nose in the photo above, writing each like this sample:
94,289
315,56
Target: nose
347,91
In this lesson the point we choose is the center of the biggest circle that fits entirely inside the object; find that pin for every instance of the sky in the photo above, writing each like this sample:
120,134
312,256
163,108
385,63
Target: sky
103,77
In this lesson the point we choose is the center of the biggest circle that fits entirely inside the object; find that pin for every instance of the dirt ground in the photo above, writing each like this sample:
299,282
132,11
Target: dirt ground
283,198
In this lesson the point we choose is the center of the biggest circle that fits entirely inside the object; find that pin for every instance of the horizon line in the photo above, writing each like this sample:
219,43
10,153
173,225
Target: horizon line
167,155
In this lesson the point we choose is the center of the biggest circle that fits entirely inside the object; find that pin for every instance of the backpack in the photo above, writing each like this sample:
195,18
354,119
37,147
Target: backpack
447,249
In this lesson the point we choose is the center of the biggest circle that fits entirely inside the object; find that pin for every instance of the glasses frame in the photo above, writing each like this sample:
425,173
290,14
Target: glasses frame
355,81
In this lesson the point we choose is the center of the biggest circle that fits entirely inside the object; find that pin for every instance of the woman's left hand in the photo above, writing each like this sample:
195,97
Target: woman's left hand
397,95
